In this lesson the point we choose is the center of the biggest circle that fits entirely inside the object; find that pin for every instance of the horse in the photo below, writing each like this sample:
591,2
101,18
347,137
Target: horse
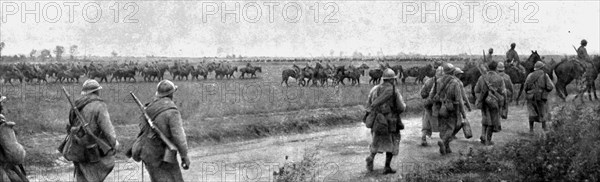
250,70
126,74
286,74
199,71
94,73
230,72
375,76
353,74
590,79
470,76
568,70
419,73
307,72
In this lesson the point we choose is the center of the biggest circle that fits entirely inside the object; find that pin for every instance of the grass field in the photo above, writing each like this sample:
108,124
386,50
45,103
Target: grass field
213,110
41,110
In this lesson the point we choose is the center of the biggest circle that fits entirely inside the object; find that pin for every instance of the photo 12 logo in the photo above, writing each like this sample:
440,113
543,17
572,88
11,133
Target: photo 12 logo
452,12
70,11
271,11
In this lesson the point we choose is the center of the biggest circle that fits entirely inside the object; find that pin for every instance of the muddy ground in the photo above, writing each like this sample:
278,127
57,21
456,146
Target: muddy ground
341,154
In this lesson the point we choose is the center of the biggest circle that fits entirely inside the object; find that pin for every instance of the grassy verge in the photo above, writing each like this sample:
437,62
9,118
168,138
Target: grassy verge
570,151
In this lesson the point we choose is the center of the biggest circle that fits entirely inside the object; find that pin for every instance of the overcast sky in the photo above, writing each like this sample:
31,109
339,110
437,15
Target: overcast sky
183,28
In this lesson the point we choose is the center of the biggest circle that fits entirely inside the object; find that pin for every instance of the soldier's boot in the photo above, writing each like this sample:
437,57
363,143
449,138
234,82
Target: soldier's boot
369,160
531,122
388,160
447,144
531,127
482,138
424,140
489,134
442,147
544,126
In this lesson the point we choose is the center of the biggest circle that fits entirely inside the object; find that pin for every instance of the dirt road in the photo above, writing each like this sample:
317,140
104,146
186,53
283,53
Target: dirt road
341,154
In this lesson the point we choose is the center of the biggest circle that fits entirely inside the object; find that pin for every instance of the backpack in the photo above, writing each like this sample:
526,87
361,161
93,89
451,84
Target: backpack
493,99
78,145
11,151
442,106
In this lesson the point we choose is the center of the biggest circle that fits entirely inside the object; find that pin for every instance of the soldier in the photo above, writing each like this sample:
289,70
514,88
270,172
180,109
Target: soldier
447,99
167,118
537,86
11,167
582,54
430,123
385,108
513,58
465,103
95,112
486,61
490,115
509,89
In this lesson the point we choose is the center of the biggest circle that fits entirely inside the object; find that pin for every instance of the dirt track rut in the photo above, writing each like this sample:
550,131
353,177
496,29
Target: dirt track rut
341,153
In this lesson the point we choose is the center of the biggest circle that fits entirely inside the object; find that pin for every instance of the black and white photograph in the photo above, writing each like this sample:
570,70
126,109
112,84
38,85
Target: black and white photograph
294,91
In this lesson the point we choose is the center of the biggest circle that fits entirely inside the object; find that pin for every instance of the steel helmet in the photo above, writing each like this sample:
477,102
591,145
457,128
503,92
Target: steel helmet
165,88
388,74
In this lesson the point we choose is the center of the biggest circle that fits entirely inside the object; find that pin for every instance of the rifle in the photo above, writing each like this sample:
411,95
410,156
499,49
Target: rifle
575,49
171,149
104,147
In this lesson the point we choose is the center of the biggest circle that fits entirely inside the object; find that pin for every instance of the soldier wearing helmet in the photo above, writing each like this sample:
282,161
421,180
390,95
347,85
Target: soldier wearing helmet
97,165
429,123
466,106
582,54
509,89
537,87
167,118
488,84
447,100
384,105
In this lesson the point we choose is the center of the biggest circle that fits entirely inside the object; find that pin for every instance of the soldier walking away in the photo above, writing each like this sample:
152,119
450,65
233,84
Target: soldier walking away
491,93
465,103
384,106
447,99
12,153
513,58
537,87
429,123
96,165
150,148
509,90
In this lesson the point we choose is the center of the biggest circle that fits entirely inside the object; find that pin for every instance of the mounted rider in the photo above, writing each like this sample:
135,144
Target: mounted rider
512,58
582,54
487,59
